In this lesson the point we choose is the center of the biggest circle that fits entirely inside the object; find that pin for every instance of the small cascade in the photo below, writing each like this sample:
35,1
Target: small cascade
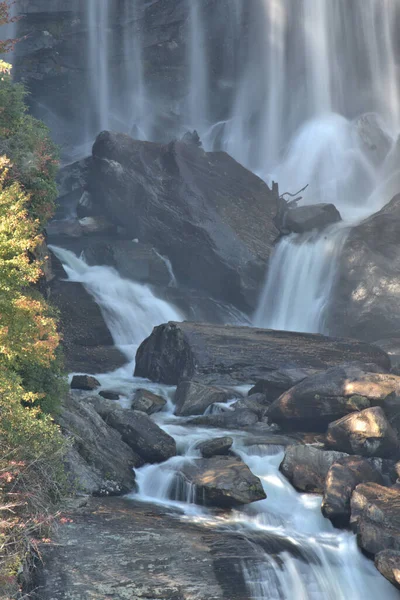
130,309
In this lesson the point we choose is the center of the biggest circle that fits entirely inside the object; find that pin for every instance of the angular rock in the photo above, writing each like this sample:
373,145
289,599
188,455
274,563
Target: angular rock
367,433
388,564
137,430
251,403
313,216
193,398
228,355
277,382
215,447
84,382
329,395
306,467
375,517
237,419
148,402
223,481
99,462
341,480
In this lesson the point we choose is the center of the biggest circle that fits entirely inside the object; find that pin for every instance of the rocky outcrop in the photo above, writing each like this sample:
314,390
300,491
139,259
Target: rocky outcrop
193,398
223,481
375,517
137,430
341,480
98,462
227,355
313,216
84,382
367,295
306,467
148,402
215,447
367,433
388,563
327,396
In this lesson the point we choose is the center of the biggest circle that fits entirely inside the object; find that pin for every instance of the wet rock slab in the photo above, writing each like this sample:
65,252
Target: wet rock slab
388,563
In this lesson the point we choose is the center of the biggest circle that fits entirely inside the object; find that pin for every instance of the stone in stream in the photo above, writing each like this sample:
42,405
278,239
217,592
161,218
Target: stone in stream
193,398
215,447
388,564
229,355
148,402
84,382
367,433
375,517
306,467
230,419
137,430
109,395
253,404
223,481
98,462
307,218
342,478
326,396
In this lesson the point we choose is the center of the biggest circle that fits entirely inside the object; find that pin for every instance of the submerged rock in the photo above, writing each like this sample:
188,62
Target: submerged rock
223,481
306,467
342,478
228,355
148,402
215,447
367,433
193,398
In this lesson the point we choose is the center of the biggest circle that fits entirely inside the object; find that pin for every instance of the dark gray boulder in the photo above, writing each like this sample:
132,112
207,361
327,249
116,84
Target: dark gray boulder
193,398
253,403
327,396
228,355
98,461
215,447
109,395
306,467
277,382
177,196
388,564
223,481
313,216
84,382
375,517
148,402
367,433
341,480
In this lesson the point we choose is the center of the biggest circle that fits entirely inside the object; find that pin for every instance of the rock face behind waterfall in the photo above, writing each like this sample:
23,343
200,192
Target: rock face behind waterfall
207,213
227,355
367,299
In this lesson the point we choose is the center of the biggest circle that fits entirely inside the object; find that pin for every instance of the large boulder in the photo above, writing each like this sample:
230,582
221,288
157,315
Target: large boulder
306,467
228,355
137,430
326,396
341,480
367,298
375,517
193,398
223,481
313,216
177,196
388,563
98,461
367,433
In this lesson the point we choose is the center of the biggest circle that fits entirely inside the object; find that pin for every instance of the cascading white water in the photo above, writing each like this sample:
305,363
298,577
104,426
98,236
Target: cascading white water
198,80
98,13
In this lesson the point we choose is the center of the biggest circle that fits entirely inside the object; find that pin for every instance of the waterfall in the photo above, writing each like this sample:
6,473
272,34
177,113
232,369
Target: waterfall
98,14
198,79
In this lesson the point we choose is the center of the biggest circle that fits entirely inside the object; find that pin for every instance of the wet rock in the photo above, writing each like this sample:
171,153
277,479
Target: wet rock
193,398
215,447
326,396
251,403
307,218
137,430
99,462
392,348
388,564
148,402
375,517
228,355
177,196
374,141
277,382
223,481
84,382
237,419
367,433
341,480
96,224
306,467
109,395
